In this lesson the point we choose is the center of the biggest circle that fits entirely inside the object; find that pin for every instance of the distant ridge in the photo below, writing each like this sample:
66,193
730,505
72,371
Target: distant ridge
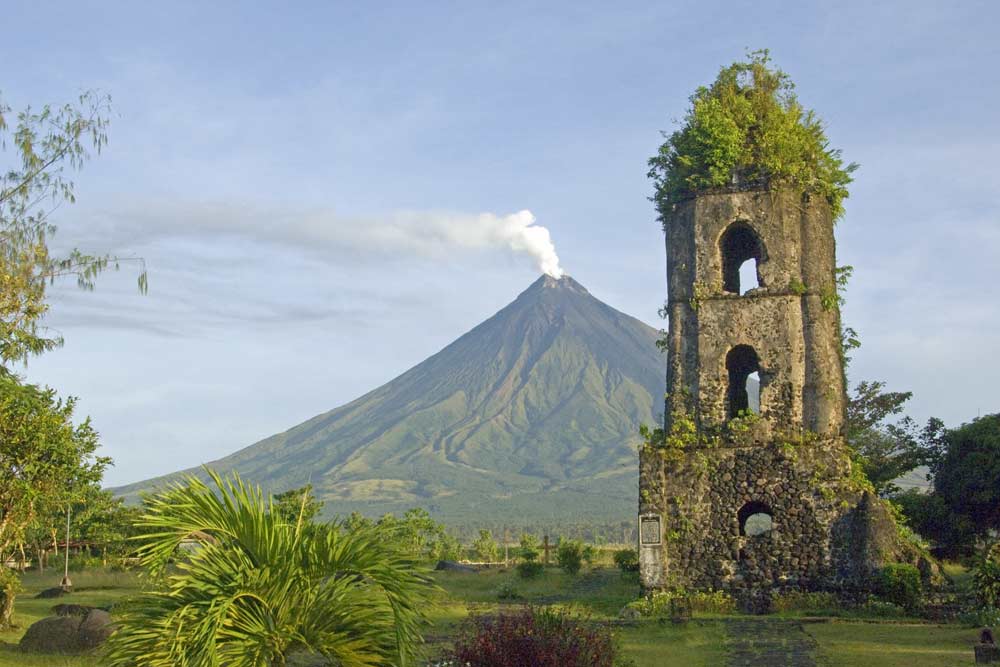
530,417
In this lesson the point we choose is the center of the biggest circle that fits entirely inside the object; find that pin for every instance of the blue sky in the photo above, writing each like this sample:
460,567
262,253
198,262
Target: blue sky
294,173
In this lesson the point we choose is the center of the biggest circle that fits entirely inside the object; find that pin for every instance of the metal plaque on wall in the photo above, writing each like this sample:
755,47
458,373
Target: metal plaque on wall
649,529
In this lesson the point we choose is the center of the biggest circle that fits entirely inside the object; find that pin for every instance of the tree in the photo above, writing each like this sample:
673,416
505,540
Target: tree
968,474
99,519
47,145
258,589
421,536
486,547
45,460
298,503
887,450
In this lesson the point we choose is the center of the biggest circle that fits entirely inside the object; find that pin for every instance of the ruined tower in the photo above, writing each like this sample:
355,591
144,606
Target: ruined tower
733,498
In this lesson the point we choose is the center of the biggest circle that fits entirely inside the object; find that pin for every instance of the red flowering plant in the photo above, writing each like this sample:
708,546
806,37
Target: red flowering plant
537,637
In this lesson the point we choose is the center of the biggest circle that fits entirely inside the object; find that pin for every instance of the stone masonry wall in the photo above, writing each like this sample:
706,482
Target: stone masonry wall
790,460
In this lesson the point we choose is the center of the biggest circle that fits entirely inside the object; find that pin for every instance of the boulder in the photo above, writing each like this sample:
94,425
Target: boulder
55,634
95,628
71,633
452,566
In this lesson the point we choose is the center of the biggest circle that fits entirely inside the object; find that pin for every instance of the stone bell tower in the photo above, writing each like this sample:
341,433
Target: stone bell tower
734,497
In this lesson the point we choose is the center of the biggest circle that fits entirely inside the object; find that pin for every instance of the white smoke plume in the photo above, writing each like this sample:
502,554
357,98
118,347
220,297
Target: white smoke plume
516,231
433,234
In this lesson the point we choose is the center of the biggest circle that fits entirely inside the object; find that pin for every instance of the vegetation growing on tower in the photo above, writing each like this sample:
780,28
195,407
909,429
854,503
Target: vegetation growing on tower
748,129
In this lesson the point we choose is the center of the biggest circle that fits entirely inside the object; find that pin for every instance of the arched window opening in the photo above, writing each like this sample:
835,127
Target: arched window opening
753,391
742,253
742,362
748,278
756,519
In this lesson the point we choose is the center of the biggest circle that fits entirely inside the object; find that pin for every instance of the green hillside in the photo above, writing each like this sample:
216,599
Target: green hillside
532,416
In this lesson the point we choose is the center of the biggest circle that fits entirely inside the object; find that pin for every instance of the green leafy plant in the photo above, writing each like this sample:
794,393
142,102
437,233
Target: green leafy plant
256,589
804,601
748,129
899,583
529,569
660,604
507,591
627,560
569,555
881,609
987,578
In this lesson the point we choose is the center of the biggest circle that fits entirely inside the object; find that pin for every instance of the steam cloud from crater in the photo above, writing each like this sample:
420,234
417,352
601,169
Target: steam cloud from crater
520,233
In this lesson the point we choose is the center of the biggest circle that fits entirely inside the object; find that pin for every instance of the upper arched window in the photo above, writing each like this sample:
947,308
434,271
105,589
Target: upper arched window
741,363
740,244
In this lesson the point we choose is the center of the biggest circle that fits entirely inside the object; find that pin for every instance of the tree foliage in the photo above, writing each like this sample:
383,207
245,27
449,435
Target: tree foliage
887,449
297,504
47,145
485,547
46,461
258,589
748,129
967,474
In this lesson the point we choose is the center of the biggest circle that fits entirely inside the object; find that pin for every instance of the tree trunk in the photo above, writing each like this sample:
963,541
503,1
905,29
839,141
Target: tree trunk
8,591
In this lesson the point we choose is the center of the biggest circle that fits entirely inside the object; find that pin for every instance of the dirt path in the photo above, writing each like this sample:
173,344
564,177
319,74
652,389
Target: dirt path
762,643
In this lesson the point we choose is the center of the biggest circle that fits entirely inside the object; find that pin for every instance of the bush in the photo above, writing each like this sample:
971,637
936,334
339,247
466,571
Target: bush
627,560
506,591
706,602
809,601
569,555
881,609
81,562
984,617
541,638
986,578
528,550
899,583
529,569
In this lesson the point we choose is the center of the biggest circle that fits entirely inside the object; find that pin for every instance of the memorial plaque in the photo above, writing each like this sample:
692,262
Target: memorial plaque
649,530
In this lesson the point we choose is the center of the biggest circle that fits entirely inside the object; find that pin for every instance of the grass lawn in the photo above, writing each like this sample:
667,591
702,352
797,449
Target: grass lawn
599,594
851,644
93,588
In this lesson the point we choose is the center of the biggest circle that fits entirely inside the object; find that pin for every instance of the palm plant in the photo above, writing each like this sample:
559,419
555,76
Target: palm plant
255,589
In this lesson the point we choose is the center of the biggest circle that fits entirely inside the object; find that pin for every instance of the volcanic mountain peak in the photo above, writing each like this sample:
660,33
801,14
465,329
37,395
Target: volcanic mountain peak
533,413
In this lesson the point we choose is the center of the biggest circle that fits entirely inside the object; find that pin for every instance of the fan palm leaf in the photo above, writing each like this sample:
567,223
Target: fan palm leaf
255,589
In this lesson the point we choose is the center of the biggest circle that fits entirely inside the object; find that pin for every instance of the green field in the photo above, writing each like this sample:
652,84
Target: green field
599,593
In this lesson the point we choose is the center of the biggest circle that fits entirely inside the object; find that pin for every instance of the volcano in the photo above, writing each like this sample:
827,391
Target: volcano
531,417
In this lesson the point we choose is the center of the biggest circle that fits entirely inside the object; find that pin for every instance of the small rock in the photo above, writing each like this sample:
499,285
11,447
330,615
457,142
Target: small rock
55,592
629,614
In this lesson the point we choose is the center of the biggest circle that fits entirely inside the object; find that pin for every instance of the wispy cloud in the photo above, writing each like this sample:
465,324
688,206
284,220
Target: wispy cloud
326,235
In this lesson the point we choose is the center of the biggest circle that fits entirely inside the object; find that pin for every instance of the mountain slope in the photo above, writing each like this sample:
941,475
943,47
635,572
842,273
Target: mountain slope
533,414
